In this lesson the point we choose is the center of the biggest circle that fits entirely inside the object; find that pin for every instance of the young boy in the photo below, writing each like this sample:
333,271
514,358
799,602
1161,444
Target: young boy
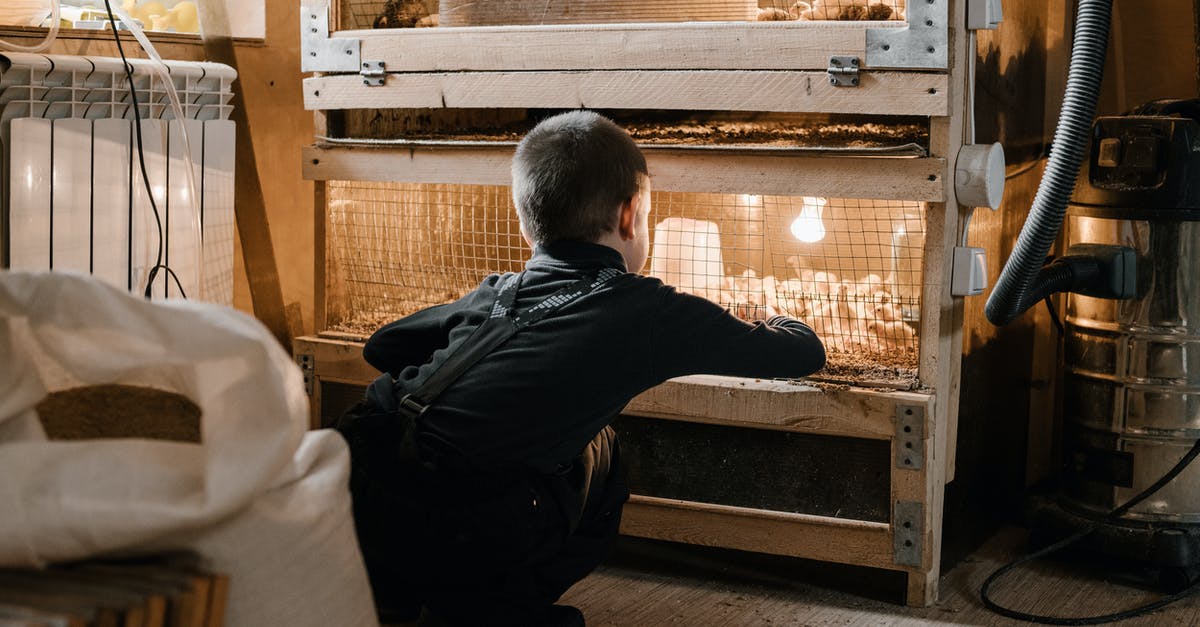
505,490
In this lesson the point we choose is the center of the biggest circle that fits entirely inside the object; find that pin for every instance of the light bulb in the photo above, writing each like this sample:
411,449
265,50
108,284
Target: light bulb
808,227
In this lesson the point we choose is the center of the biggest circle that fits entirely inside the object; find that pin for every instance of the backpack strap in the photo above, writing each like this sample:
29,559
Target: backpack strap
503,322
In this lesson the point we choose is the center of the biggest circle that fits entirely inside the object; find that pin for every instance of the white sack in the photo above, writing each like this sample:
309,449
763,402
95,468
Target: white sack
250,496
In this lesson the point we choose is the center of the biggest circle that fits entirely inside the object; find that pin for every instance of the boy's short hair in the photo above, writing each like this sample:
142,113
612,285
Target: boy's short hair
571,173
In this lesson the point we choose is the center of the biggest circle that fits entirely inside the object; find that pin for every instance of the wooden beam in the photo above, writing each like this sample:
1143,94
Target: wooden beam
672,169
878,93
663,46
822,538
250,209
779,405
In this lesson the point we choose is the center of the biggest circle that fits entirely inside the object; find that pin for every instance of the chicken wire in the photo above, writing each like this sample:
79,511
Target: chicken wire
850,268
424,13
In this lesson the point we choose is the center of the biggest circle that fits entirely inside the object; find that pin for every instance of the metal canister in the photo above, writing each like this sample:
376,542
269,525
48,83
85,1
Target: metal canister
1132,367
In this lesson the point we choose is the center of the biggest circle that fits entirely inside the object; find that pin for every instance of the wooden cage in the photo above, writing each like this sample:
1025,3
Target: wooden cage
861,465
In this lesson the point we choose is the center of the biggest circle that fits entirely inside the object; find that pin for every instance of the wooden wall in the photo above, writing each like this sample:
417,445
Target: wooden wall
270,76
1010,401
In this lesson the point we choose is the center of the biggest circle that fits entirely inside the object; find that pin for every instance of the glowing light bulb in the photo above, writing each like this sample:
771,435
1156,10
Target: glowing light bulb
808,227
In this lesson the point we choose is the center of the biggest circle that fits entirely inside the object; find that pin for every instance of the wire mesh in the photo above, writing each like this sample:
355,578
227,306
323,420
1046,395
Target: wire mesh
421,13
850,268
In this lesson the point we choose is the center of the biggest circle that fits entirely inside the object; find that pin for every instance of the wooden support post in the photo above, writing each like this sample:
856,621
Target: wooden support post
250,209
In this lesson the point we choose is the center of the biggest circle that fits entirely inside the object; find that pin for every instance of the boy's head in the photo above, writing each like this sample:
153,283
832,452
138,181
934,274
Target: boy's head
574,175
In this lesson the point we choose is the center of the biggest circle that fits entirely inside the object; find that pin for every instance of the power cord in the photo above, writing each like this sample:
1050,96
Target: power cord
137,125
1072,539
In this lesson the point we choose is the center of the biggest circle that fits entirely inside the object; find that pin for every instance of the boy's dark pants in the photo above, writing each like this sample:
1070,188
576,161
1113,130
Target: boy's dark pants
495,549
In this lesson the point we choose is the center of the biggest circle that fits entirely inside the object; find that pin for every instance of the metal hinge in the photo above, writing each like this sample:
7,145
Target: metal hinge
908,527
910,437
306,361
843,71
372,73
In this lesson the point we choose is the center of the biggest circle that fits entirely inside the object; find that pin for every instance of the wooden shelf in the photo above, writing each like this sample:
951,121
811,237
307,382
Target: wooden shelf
779,405
673,169
660,46
878,93
841,540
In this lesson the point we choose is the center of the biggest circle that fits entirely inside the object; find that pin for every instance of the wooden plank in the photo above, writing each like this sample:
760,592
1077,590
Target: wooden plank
781,405
672,169
778,405
320,253
336,360
258,250
779,533
879,93
686,46
941,327
506,12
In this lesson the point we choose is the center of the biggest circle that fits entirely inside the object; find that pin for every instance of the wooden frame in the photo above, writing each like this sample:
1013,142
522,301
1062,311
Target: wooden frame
674,169
659,46
878,93
774,405
726,66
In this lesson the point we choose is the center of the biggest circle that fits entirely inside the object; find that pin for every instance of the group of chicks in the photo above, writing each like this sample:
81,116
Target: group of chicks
405,14
849,316
154,15
843,10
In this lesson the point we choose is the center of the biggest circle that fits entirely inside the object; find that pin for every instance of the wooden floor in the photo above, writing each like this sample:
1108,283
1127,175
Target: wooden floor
648,583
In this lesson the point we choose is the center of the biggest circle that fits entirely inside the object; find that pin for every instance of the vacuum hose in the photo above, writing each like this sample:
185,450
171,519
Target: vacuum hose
1022,284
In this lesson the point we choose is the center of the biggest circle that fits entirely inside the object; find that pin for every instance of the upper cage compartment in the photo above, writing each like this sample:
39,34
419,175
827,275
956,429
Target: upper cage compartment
432,13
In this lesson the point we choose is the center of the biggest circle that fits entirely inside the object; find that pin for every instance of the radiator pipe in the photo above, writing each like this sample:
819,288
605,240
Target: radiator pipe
1023,281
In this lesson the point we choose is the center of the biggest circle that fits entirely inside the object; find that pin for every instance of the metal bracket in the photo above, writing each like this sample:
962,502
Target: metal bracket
910,437
319,52
908,527
306,362
843,71
373,73
925,44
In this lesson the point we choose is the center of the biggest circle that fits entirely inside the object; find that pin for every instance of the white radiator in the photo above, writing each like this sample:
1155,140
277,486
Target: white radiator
71,189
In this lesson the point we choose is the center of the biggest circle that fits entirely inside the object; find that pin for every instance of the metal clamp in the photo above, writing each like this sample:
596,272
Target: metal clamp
318,51
924,44
907,530
307,367
843,71
910,437
373,73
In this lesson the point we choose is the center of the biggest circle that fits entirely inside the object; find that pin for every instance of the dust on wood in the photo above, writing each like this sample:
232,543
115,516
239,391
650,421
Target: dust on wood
119,411
650,128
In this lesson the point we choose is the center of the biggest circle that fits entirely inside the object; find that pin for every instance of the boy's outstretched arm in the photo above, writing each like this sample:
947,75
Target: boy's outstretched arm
410,340
692,335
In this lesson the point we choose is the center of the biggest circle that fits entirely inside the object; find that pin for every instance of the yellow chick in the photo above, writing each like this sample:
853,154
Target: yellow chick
187,17
147,10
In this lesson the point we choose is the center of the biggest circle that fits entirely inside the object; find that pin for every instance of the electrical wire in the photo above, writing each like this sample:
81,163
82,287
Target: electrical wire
1072,539
137,125
51,33
1058,323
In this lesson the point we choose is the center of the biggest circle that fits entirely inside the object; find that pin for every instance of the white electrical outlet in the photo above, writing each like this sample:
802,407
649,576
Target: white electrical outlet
968,276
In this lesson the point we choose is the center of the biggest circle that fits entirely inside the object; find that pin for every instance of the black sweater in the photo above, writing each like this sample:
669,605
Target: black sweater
539,398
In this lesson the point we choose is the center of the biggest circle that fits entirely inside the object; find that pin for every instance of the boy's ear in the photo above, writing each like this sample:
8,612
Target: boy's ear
525,234
627,219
